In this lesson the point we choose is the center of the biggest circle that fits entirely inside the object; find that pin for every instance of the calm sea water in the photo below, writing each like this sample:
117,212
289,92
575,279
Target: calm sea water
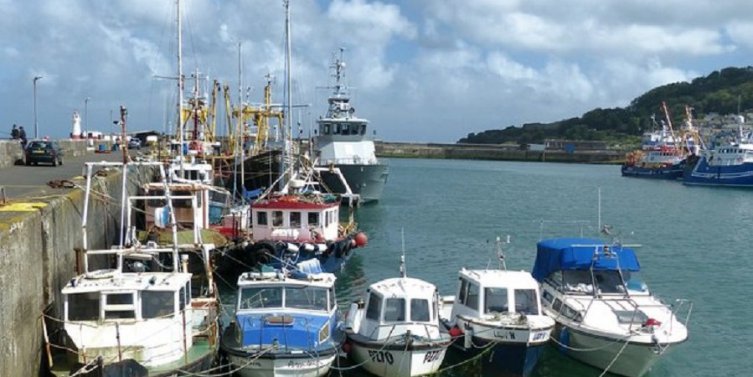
696,242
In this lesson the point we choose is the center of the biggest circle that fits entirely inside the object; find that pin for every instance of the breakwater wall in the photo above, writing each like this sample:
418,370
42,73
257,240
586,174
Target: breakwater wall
11,152
495,152
38,239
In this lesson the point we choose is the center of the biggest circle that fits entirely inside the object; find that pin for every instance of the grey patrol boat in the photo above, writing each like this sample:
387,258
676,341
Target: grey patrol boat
342,143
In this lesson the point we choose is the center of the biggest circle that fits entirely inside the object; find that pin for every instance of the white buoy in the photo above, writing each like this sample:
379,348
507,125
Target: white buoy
76,131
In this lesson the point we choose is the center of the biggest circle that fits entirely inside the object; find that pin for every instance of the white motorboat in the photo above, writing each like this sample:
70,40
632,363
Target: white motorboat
606,316
499,312
396,331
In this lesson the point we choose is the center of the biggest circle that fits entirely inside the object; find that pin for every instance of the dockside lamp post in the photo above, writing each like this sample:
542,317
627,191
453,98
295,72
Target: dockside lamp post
36,128
86,117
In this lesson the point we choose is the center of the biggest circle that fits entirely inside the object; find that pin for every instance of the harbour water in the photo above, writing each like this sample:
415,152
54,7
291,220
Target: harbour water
695,242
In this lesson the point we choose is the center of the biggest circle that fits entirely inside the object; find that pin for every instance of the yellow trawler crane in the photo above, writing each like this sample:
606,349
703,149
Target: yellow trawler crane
260,115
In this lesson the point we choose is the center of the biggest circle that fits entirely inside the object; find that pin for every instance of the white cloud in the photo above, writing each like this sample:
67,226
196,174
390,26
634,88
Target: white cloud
450,67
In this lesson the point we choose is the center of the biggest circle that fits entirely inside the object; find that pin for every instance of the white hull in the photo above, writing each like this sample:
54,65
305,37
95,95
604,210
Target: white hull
398,363
298,367
635,360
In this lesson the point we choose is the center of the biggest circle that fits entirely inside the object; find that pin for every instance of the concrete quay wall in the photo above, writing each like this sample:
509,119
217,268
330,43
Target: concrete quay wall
494,152
38,238
11,152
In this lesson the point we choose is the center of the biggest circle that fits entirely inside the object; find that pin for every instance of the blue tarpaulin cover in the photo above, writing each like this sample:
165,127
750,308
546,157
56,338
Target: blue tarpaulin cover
580,254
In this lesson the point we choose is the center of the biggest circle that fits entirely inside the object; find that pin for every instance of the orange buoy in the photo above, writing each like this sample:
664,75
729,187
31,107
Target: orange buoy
361,239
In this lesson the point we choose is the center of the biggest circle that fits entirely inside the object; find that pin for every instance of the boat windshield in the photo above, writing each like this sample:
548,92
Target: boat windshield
260,297
306,298
526,302
495,300
605,281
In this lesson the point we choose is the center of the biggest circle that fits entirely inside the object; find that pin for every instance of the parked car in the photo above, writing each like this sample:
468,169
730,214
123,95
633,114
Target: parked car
134,143
43,151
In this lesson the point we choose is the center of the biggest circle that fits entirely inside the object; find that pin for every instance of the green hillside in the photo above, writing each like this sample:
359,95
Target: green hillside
719,92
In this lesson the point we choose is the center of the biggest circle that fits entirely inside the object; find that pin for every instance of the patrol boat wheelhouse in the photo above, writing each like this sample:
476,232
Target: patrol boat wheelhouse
606,317
342,143
286,324
396,331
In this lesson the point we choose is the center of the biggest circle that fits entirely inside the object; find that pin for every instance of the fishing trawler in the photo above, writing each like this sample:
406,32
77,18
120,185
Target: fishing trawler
606,316
154,313
342,143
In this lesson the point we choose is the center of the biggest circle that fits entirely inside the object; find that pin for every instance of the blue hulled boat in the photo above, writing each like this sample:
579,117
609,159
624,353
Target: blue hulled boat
728,165
285,324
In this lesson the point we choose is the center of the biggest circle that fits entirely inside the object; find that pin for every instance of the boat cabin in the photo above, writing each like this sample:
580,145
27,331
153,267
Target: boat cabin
273,308
395,306
581,266
487,293
189,201
113,314
296,218
275,291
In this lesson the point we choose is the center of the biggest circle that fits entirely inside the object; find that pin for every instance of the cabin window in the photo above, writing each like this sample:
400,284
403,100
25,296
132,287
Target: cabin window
325,129
354,129
472,298
182,298
557,305
375,304
394,310
119,306
332,298
345,129
264,297
295,219
547,296
83,306
189,292
495,300
525,301
306,298
156,304
609,281
326,219
363,129
261,218
463,291
571,313
182,203
276,218
313,219
338,127
419,310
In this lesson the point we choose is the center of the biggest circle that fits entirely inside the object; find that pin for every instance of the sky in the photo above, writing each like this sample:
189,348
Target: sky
419,70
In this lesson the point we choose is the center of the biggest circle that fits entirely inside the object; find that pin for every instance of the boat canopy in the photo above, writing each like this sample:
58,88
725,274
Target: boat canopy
581,254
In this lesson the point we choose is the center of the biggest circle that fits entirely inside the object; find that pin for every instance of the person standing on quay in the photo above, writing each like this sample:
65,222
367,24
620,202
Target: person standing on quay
22,136
14,133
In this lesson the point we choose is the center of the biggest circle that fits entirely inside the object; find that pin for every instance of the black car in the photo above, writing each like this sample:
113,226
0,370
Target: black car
43,151
134,143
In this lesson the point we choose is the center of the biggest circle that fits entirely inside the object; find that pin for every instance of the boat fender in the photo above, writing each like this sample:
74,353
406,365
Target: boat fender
468,339
347,347
262,253
321,247
308,247
455,332
564,340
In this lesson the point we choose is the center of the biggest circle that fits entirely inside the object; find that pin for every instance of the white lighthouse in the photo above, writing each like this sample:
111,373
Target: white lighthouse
76,131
